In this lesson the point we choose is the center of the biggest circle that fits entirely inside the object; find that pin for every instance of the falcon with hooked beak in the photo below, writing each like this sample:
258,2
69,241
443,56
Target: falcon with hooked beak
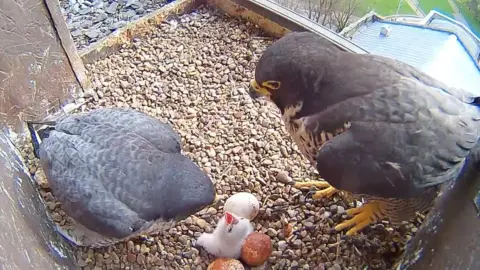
375,128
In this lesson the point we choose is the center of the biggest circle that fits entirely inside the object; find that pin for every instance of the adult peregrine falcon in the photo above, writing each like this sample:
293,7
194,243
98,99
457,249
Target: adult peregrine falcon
373,127
119,173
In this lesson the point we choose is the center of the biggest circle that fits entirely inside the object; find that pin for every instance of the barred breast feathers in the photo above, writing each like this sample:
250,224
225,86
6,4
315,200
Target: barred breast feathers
309,142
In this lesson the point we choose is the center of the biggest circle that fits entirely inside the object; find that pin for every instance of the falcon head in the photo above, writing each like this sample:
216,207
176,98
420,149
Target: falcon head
290,69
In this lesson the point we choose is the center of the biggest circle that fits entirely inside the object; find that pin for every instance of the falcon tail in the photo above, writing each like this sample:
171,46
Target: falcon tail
40,134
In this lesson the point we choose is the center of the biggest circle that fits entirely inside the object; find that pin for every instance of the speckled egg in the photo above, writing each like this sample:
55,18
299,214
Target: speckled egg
226,264
243,204
257,249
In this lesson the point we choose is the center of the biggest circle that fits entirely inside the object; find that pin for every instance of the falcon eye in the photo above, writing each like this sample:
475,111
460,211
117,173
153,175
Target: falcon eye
274,85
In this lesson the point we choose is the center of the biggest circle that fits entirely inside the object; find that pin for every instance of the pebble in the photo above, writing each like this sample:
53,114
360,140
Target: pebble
91,20
202,223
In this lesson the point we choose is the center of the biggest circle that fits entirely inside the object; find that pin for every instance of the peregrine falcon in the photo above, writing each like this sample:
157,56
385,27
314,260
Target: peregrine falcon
374,128
119,173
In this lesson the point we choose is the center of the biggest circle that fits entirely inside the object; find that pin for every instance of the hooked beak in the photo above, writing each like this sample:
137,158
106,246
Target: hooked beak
254,91
215,201
254,94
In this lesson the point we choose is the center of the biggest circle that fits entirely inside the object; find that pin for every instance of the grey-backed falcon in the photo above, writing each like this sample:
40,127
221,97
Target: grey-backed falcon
375,128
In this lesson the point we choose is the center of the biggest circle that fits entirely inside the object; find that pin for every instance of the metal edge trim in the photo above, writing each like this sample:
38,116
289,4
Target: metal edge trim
296,22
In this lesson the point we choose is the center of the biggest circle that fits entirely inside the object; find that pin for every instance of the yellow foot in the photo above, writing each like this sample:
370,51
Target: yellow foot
364,216
326,191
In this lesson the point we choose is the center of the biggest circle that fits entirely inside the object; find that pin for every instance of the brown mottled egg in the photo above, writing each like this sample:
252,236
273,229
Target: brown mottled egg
226,264
243,204
256,249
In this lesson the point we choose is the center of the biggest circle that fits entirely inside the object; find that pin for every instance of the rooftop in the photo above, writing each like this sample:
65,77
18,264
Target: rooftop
437,45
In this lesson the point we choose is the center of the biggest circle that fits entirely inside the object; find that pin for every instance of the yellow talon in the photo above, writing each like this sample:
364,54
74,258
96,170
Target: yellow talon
326,191
363,216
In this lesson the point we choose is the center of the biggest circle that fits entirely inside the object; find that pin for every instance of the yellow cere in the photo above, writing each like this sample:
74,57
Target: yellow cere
261,90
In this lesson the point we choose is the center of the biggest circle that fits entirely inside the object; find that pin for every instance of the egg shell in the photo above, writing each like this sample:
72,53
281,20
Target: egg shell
243,204
226,264
257,249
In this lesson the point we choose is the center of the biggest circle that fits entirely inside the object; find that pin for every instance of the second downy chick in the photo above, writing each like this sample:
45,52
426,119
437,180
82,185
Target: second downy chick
227,239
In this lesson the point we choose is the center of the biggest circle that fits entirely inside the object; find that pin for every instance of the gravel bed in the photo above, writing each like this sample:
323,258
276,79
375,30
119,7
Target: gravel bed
91,20
194,73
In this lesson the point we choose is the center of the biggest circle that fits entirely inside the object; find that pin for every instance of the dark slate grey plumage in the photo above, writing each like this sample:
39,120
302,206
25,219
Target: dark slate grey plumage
120,173
404,132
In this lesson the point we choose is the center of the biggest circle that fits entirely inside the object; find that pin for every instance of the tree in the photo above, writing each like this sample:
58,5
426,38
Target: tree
320,11
293,5
473,6
346,9
333,14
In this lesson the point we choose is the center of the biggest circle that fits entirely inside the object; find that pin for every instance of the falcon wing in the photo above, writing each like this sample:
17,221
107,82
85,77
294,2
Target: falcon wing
113,178
77,187
159,134
402,138
409,71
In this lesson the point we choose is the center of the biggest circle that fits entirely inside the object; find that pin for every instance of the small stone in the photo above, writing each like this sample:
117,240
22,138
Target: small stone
267,162
141,259
84,11
51,205
131,257
144,249
56,217
130,2
271,232
129,14
282,245
86,24
92,33
130,246
100,17
212,211
283,177
112,8
82,263
335,267
201,223
77,33
211,152
117,25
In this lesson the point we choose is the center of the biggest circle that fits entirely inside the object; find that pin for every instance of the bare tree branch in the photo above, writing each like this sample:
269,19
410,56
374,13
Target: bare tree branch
334,14
343,13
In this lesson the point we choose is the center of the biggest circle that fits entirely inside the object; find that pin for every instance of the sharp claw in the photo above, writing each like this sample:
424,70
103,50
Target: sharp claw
363,216
311,193
326,191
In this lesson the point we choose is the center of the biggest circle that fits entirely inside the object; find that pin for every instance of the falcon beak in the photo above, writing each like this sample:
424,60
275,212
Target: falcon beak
215,201
255,91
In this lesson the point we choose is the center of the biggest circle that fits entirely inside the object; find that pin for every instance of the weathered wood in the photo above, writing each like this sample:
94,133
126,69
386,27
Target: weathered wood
28,240
36,78
35,74
450,236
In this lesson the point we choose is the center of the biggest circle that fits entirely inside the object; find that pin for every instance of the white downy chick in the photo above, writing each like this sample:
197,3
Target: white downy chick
227,239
